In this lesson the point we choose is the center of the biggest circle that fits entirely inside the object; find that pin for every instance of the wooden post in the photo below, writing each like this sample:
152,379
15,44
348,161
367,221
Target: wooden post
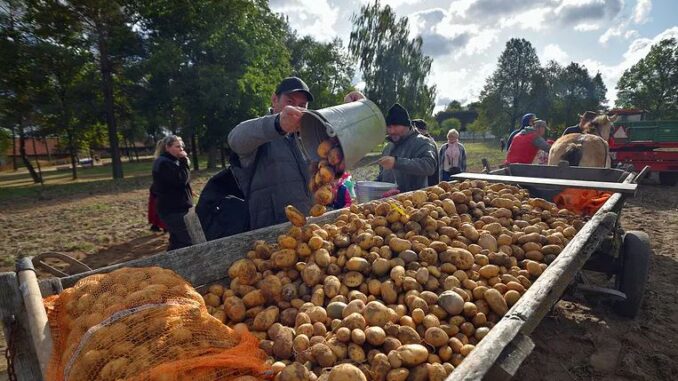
35,312
14,324
194,227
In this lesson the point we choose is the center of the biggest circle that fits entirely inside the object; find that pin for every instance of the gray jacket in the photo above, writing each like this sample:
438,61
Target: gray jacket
281,174
415,160
441,158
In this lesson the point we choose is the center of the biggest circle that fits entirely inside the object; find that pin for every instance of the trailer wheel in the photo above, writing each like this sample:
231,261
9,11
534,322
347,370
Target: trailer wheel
636,253
668,178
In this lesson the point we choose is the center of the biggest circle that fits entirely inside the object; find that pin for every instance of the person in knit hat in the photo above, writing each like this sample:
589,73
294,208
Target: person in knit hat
409,158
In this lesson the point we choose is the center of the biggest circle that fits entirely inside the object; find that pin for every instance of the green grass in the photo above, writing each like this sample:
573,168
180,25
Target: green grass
19,187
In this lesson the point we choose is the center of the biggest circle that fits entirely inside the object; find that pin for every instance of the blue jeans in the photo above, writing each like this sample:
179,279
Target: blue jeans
447,175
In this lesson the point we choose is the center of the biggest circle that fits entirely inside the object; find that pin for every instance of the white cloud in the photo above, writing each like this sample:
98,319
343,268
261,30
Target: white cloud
586,27
315,18
641,13
393,3
635,52
453,83
555,53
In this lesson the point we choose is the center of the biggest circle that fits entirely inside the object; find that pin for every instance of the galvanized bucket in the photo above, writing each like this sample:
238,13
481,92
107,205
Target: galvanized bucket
359,126
372,190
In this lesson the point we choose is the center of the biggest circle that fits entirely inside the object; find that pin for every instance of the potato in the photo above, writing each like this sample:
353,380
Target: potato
412,354
436,337
324,148
317,210
511,297
244,270
358,336
211,300
295,216
489,271
235,309
376,314
323,195
399,245
282,343
346,372
293,372
285,258
356,353
335,156
452,302
354,321
217,290
323,355
487,241
462,259
375,336
496,301
266,318
326,174
311,275
398,374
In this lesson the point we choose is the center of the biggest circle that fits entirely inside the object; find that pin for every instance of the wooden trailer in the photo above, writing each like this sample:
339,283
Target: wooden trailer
600,245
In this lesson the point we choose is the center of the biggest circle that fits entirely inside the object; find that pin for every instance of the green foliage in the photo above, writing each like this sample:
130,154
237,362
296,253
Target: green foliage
393,66
520,85
325,67
448,124
652,83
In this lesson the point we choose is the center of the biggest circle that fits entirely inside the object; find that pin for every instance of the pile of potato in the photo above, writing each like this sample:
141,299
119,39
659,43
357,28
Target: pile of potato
399,289
323,172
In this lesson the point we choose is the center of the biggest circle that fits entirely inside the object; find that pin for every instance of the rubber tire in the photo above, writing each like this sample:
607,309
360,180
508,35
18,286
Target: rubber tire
668,178
636,253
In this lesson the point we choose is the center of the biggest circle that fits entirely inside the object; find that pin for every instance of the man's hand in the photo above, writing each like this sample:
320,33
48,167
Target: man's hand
290,119
353,96
387,162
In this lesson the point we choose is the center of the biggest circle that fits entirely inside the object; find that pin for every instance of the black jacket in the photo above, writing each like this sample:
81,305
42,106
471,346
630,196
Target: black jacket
171,183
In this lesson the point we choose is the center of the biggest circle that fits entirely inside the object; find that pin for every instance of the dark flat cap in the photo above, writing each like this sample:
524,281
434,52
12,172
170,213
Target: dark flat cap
398,115
292,85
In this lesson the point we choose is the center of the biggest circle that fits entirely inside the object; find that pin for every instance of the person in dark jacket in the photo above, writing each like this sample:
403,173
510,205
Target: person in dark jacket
527,121
452,156
422,127
281,172
171,185
583,119
409,158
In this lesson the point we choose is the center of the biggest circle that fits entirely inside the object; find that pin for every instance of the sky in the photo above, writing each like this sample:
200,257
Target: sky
466,37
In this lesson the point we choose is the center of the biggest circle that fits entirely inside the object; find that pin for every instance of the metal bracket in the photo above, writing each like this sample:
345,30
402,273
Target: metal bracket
511,357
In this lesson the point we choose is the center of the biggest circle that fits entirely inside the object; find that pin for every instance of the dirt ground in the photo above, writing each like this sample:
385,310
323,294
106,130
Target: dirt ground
578,340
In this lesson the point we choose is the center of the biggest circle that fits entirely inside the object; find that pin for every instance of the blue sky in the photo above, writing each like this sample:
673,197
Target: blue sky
466,37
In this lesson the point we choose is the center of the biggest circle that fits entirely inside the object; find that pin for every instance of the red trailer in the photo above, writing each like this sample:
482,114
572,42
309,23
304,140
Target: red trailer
643,142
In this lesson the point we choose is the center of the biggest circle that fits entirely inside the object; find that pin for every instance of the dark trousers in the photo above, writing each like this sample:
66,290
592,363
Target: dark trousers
178,233
447,174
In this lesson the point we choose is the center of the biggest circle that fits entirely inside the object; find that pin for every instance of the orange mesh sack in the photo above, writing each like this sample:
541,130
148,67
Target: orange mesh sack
144,324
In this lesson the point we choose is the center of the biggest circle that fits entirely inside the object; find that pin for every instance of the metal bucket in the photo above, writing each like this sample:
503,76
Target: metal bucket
372,190
359,126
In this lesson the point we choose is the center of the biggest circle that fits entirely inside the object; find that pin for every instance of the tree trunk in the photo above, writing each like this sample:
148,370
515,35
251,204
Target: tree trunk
107,88
194,151
37,160
49,154
71,148
211,155
24,158
14,163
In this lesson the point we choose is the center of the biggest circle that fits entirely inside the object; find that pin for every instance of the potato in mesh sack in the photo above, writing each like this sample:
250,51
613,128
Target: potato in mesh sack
144,324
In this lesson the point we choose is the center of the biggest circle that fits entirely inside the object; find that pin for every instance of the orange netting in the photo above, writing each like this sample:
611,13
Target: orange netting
581,201
138,324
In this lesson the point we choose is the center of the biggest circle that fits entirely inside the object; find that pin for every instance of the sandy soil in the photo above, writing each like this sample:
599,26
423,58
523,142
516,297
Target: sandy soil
579,340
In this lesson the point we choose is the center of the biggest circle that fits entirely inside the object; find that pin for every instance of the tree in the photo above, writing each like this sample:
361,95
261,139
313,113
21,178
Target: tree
106,28
652,83
326,68
21,79
506,95
447,125
393,66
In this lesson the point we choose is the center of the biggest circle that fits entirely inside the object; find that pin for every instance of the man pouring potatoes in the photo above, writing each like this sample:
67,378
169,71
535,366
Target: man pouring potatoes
409,157
273,172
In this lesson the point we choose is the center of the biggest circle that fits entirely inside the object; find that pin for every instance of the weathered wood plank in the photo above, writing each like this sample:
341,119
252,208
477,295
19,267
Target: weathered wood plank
559,183
194,227
26,365
510,358
206,262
